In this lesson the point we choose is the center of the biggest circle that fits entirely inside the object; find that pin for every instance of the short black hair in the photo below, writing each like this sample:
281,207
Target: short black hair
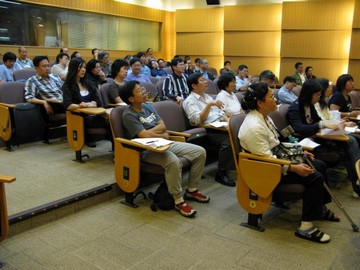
227,62
117,65
127,91
133,60
60,56
224,80
91,65
307,68
93,50
38,59
197,60
175,61
73,55
139,55
298,64
193,79
267,74
289,79
256,91
9,56
241,67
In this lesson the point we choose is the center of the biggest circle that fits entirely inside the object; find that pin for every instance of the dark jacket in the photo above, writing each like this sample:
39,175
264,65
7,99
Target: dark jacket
297,119
71,93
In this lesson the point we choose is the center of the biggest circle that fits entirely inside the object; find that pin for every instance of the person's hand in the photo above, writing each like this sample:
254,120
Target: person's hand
166,135
101,75
83,105
217,103
309,155
350,124
179,100
301,169
48,108
332,126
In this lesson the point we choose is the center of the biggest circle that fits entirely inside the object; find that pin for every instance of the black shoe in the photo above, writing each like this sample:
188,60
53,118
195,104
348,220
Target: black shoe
91,144
224,179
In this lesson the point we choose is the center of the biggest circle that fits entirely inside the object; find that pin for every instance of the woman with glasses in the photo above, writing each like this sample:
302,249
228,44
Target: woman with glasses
258,136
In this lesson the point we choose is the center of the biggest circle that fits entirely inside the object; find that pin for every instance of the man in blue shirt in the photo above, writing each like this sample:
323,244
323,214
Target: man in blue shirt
285,94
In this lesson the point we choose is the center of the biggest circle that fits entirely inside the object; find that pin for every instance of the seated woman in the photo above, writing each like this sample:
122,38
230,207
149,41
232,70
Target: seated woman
227,84
156,71
306,122
341,100
94,72
80,92
119,70
258,135
61,66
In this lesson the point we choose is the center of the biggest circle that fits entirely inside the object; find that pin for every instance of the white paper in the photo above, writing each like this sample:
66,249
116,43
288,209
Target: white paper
329,131
358,116
308,143
351,129
219,124
336,114
153,142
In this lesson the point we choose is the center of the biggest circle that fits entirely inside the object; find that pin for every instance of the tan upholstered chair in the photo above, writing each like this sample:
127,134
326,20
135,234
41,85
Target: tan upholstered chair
258,179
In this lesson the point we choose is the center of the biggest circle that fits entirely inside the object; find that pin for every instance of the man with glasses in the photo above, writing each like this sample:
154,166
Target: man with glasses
140,120
285,94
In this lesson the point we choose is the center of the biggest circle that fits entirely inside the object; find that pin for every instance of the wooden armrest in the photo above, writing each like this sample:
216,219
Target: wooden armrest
208,126
7,179
95,111
264,159
53,101
177,138
342,138
176,133
11,106
112,105
131,143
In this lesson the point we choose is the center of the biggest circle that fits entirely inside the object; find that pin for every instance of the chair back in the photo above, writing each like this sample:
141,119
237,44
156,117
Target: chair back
279,117
296,90
234,125
172,115
212,88
12,92
159,86
355,99
104,89
168,70
239,96
150,88
116,122
213,71
23,74
154,80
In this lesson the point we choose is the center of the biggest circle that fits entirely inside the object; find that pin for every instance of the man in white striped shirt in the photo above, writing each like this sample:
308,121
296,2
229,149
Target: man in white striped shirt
175,85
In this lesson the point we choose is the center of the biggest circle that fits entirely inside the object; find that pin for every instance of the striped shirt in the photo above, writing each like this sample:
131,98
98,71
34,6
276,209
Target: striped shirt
45,89
175,86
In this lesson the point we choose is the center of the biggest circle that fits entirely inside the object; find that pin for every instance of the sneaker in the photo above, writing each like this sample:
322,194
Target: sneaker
185,209
196,196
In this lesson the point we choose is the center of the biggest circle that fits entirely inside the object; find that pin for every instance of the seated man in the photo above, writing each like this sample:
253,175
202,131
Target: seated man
227,68
203,69
268,77
175,85
201,109
9,59
142,121
145,70
5,75
298,74
285,94
135,73
105,65
22,60
242,79
45,88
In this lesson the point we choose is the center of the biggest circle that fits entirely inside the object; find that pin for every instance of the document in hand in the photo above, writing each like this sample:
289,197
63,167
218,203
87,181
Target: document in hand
219,124
153,142
328,131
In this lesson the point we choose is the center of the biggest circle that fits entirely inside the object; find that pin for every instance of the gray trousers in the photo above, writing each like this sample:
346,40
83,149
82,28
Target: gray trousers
173,167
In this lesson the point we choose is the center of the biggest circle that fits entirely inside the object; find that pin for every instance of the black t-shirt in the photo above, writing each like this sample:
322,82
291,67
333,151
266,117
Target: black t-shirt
339,100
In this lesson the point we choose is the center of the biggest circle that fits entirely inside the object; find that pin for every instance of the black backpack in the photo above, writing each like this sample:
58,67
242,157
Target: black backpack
162,198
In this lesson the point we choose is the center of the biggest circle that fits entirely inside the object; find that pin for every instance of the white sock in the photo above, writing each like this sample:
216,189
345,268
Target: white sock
305,225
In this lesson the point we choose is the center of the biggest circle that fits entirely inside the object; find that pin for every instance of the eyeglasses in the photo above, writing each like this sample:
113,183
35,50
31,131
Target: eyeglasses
141,89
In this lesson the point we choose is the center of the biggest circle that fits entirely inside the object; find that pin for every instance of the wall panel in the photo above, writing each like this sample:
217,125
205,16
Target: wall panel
354,70
200,43
355,44
200,20
252,18
316,44
326,68
252,44
320,15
